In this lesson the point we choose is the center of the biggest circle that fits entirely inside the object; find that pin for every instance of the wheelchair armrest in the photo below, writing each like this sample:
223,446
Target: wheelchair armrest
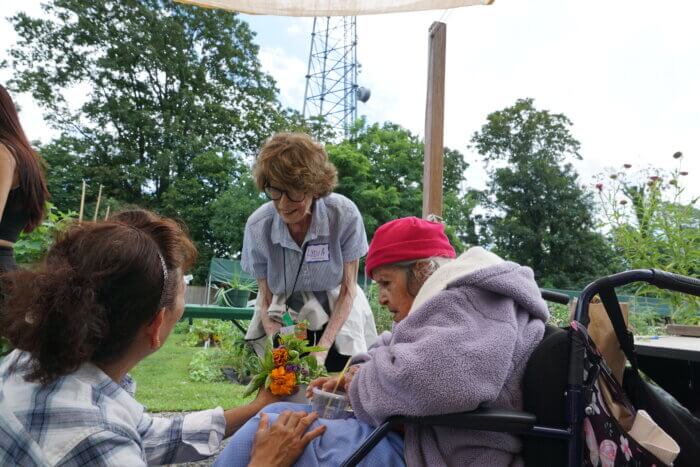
485,419
507,421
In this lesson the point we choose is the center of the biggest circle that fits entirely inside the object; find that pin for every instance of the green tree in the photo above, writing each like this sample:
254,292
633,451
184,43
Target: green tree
157,84
540,216
159,102
381,169
65,172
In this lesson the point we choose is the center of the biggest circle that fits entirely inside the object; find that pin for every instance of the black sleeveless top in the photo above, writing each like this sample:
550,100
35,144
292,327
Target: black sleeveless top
14,217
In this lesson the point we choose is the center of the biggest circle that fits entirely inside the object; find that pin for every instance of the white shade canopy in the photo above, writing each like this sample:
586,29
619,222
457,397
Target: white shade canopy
332,7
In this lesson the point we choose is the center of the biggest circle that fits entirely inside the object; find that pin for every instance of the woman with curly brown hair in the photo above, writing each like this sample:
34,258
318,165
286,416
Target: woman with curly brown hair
107,296
23,192
304,248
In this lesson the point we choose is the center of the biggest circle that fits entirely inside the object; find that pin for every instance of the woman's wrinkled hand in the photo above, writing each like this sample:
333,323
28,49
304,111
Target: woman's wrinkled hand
281,444
321,383
348,376
320,357
333,383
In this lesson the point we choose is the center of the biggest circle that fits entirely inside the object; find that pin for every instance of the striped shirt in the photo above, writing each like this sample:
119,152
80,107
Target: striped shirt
336,236
85,418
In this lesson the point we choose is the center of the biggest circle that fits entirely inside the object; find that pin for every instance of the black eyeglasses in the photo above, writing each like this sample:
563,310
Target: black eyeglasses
275,193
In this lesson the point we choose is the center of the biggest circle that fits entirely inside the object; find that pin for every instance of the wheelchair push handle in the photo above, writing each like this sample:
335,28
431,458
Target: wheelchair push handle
656,277
555,297
675,282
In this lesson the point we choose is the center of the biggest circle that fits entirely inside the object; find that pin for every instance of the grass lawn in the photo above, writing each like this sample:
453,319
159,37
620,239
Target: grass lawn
163,384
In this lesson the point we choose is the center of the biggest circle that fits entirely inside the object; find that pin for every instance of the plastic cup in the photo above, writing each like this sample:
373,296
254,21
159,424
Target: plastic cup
329,405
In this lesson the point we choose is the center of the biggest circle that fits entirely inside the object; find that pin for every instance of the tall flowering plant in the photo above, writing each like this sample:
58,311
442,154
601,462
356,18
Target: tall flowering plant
287,366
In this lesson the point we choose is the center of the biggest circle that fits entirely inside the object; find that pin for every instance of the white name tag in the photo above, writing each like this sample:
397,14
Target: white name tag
317,253
287,330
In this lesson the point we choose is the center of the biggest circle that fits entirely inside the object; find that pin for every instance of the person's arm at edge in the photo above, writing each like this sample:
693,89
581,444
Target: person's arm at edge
237,416
271,326
343,306
8,165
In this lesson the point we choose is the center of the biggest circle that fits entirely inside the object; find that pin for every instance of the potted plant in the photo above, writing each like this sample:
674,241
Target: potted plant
287,369
236,292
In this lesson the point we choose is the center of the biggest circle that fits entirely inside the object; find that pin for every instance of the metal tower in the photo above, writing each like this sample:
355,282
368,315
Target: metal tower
331,78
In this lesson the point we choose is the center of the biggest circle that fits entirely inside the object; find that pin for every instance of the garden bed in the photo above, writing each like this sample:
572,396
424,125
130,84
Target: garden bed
164,384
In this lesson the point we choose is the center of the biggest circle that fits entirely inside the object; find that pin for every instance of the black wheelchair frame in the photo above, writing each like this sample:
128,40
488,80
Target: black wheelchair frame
523,423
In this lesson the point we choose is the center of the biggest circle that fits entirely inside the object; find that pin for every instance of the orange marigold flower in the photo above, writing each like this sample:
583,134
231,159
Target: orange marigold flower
280,356
283,382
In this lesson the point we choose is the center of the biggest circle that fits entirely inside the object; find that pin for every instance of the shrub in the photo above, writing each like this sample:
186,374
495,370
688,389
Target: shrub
653,224
206,365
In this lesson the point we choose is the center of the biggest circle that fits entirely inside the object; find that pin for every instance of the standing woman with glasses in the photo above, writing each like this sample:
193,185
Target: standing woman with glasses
23,192
304,248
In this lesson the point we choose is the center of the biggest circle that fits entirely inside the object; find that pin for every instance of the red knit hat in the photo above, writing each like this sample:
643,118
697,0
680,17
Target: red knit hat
407,239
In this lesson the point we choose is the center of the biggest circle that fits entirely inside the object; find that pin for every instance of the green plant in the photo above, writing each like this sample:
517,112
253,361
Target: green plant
5,346
205,366
383,319
181,327
240,357
216,332
237,282
654,224
231,350
289,365
31,247
240,283
645,322
558,314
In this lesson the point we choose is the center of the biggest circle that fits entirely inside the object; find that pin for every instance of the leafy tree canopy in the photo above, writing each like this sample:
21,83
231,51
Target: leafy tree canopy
161,103
381,169
539,215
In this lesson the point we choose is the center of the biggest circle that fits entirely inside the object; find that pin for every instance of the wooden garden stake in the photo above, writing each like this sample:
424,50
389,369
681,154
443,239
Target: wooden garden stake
97,206
82,204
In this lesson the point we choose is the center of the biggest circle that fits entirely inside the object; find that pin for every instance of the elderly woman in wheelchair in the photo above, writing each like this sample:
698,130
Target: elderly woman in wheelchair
464,330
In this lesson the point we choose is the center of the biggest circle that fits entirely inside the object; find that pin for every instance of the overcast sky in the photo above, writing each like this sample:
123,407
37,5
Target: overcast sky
627,73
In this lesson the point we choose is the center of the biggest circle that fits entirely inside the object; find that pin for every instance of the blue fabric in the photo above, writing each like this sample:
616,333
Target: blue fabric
342,438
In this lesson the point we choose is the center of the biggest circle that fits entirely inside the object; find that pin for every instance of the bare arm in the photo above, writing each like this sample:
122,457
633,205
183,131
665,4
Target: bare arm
236,417
341,311
270,326
8,165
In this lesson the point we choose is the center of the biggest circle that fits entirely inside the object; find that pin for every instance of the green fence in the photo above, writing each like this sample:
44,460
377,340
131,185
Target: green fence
636,303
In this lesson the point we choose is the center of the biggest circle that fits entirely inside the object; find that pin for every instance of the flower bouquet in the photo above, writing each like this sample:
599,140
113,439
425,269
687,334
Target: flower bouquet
287,366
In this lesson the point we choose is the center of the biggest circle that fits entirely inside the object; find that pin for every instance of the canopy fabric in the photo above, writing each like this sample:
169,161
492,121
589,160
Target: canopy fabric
332,7
223,269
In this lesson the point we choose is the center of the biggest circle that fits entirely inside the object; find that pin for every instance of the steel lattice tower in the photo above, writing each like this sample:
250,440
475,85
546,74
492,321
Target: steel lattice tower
331,78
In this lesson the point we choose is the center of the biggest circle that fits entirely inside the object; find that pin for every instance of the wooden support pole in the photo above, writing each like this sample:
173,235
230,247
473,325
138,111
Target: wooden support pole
82,204
434,121
97,205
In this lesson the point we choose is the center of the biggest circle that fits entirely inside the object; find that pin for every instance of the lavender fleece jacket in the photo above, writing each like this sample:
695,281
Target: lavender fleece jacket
463,347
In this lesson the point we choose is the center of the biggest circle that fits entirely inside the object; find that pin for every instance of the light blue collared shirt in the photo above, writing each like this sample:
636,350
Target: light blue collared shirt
336,236
85,418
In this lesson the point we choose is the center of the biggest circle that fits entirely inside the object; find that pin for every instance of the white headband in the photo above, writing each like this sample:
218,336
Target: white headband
165,278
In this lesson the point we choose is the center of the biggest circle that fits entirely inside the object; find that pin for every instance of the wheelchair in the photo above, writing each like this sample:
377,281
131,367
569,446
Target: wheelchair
551,423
